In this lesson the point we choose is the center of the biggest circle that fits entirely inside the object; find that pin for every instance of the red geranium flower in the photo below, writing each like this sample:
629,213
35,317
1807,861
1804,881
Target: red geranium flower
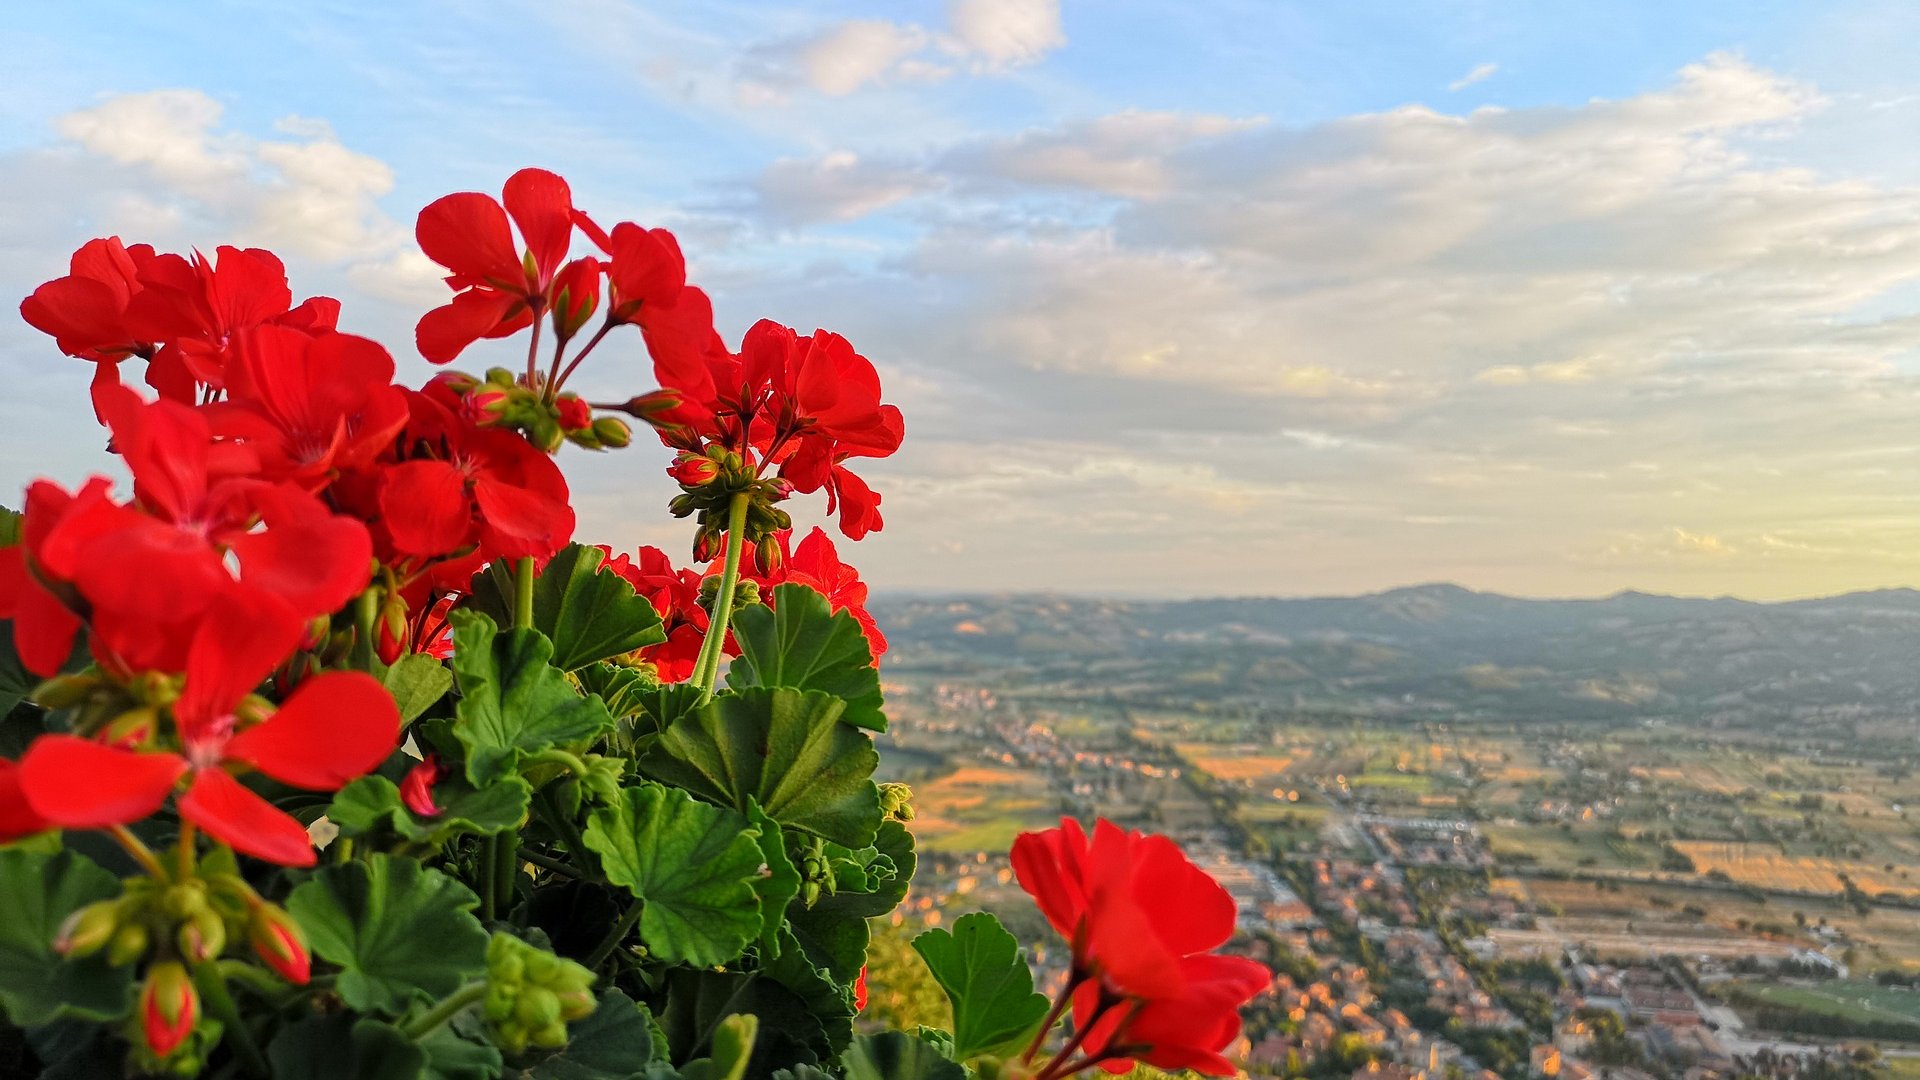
86,311
464,489
816,564
500,290
309,405
647,286
1141,919
675,596
335,727
194,307
1183,1032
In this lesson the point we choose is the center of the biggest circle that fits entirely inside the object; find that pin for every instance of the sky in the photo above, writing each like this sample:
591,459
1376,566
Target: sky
1217,297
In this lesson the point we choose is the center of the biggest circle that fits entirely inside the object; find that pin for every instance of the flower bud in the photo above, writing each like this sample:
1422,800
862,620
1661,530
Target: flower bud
129,943
66,691
277,940
896,800
860,990
612,432
489,404
390,631
135,727
544,432
767,554
459,383
169,1007
499,376
88,930
693,470
573,412
202,937
416,788
576,293
186,899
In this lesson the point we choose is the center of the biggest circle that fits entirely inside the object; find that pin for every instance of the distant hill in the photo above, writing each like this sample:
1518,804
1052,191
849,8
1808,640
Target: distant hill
1443,648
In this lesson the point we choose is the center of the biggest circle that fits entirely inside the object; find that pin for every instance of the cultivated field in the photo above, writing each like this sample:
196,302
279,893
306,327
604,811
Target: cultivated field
1763,865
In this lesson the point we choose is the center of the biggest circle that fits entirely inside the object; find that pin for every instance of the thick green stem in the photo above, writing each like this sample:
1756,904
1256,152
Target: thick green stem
448,1008
558,866
506,864
523,594
615,935
213,991
707,667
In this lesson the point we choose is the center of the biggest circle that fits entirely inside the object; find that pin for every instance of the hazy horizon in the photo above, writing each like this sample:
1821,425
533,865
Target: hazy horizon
1553,302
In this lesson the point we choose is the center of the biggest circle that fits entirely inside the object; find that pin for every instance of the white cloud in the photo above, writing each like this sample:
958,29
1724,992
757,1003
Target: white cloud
1480,73
1004,34
180,170
1543,327
836,187
985,36
1124,153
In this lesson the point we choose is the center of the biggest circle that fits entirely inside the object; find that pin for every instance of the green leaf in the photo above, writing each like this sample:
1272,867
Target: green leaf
614,1043
985,974
698,1002
332,1047
691,864
37,893
830,1002
801,642
416,682
10,522
372,804
450,1057
784,749
513,702
834,930
620,687
896,1055
589,614
399,931
778,886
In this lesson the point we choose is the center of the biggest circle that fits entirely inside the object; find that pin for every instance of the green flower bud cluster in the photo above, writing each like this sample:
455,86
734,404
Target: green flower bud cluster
124,714
603,778
193,919
746,593
896,801
708,483
532,995
547,421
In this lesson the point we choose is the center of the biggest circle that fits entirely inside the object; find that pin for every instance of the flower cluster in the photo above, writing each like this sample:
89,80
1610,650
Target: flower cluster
327,593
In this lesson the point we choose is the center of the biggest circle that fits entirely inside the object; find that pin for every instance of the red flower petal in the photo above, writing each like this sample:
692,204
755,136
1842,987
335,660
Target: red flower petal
229,812
17,816
337,726
425,507
445,332
542,206
243,636
467,233
80,784
1051,866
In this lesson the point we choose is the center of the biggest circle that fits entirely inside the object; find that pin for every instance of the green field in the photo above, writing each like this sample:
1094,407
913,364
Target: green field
1850,999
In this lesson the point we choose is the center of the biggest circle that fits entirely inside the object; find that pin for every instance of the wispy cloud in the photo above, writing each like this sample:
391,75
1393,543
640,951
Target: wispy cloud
981,37
1480,73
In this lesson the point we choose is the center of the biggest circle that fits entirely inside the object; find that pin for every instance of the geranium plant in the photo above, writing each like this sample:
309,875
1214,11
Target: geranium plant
326,751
